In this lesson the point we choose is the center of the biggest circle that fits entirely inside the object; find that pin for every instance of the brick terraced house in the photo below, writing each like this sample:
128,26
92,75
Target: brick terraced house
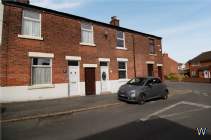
170,66
200,66
47,54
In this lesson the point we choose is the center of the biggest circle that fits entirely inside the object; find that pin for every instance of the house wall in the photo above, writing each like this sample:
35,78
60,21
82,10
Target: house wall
3,50
196,68
143,56
61,37
170,65
1,19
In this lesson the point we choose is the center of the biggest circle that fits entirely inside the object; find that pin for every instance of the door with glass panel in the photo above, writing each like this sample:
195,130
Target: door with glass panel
74,77
104,75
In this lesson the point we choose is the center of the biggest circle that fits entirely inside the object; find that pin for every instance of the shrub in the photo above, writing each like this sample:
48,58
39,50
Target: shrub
175,77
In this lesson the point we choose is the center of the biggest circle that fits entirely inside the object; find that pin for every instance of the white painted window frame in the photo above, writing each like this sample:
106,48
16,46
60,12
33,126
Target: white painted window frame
126,76
117,38
89,30
154,47
31,19
50,85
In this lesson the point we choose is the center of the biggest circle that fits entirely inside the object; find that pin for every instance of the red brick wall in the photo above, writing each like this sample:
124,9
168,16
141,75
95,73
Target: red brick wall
170,65
62,37
196,68
142,55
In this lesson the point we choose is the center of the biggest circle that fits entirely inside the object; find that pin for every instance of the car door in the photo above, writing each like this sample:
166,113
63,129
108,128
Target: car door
157,87
149,89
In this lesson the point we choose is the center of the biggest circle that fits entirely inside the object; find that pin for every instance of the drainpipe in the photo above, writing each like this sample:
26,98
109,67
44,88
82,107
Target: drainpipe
134,57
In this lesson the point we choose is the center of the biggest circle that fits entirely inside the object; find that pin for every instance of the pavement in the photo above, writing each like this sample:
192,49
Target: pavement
20,111
48,108
177,118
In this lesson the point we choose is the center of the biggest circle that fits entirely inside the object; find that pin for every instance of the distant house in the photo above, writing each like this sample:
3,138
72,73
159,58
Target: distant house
183,68
200,66
169,65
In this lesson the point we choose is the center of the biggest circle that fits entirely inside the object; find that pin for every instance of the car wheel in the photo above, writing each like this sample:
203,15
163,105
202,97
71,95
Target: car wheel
141,100
165,96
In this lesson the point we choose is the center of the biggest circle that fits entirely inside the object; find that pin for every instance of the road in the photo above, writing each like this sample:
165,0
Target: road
176,118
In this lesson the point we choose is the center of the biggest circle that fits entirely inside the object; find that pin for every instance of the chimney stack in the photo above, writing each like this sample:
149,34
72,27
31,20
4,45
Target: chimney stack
114,21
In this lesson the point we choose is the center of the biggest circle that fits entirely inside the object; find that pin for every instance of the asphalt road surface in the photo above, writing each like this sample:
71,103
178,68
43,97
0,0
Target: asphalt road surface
177,118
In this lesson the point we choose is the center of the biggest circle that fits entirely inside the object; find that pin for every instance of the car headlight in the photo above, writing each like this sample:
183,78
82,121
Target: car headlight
132,93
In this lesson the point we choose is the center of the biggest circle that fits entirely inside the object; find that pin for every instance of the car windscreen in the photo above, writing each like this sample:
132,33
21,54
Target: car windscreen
137,81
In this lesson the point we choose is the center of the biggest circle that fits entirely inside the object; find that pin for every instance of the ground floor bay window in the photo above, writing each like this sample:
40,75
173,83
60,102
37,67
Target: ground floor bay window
41,71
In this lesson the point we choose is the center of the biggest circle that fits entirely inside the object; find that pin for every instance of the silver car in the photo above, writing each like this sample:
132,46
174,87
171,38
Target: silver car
140,89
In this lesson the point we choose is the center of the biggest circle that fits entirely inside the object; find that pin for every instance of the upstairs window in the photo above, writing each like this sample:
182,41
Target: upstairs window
120,39
87,33
41,71
31,23
151,46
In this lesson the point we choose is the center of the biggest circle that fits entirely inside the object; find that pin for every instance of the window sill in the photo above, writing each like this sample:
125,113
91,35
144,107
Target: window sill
121,48
153,54
123,80
30,37
42,86
87,44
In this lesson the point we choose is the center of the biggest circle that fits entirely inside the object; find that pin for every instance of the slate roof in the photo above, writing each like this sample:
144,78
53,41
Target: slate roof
22,5
203,57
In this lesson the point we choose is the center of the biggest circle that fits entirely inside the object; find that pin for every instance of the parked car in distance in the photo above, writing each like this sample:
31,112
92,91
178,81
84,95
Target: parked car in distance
140,89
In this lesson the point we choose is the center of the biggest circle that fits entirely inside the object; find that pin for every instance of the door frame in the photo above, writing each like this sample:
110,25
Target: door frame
94,66
152,70
78,83
72,58
107,76
161,68
208,74
148,63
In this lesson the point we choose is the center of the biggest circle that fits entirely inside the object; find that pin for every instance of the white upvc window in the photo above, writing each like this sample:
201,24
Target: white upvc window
41,71
122,69
120,39
87,33
31,24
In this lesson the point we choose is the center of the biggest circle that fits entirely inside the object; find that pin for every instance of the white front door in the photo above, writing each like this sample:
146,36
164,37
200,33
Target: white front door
104,75
206,74
74,80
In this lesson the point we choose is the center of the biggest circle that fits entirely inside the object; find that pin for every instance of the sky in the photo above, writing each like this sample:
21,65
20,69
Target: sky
184,25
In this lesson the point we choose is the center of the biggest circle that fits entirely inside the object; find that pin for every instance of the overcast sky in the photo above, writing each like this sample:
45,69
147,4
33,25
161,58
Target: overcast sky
185,25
